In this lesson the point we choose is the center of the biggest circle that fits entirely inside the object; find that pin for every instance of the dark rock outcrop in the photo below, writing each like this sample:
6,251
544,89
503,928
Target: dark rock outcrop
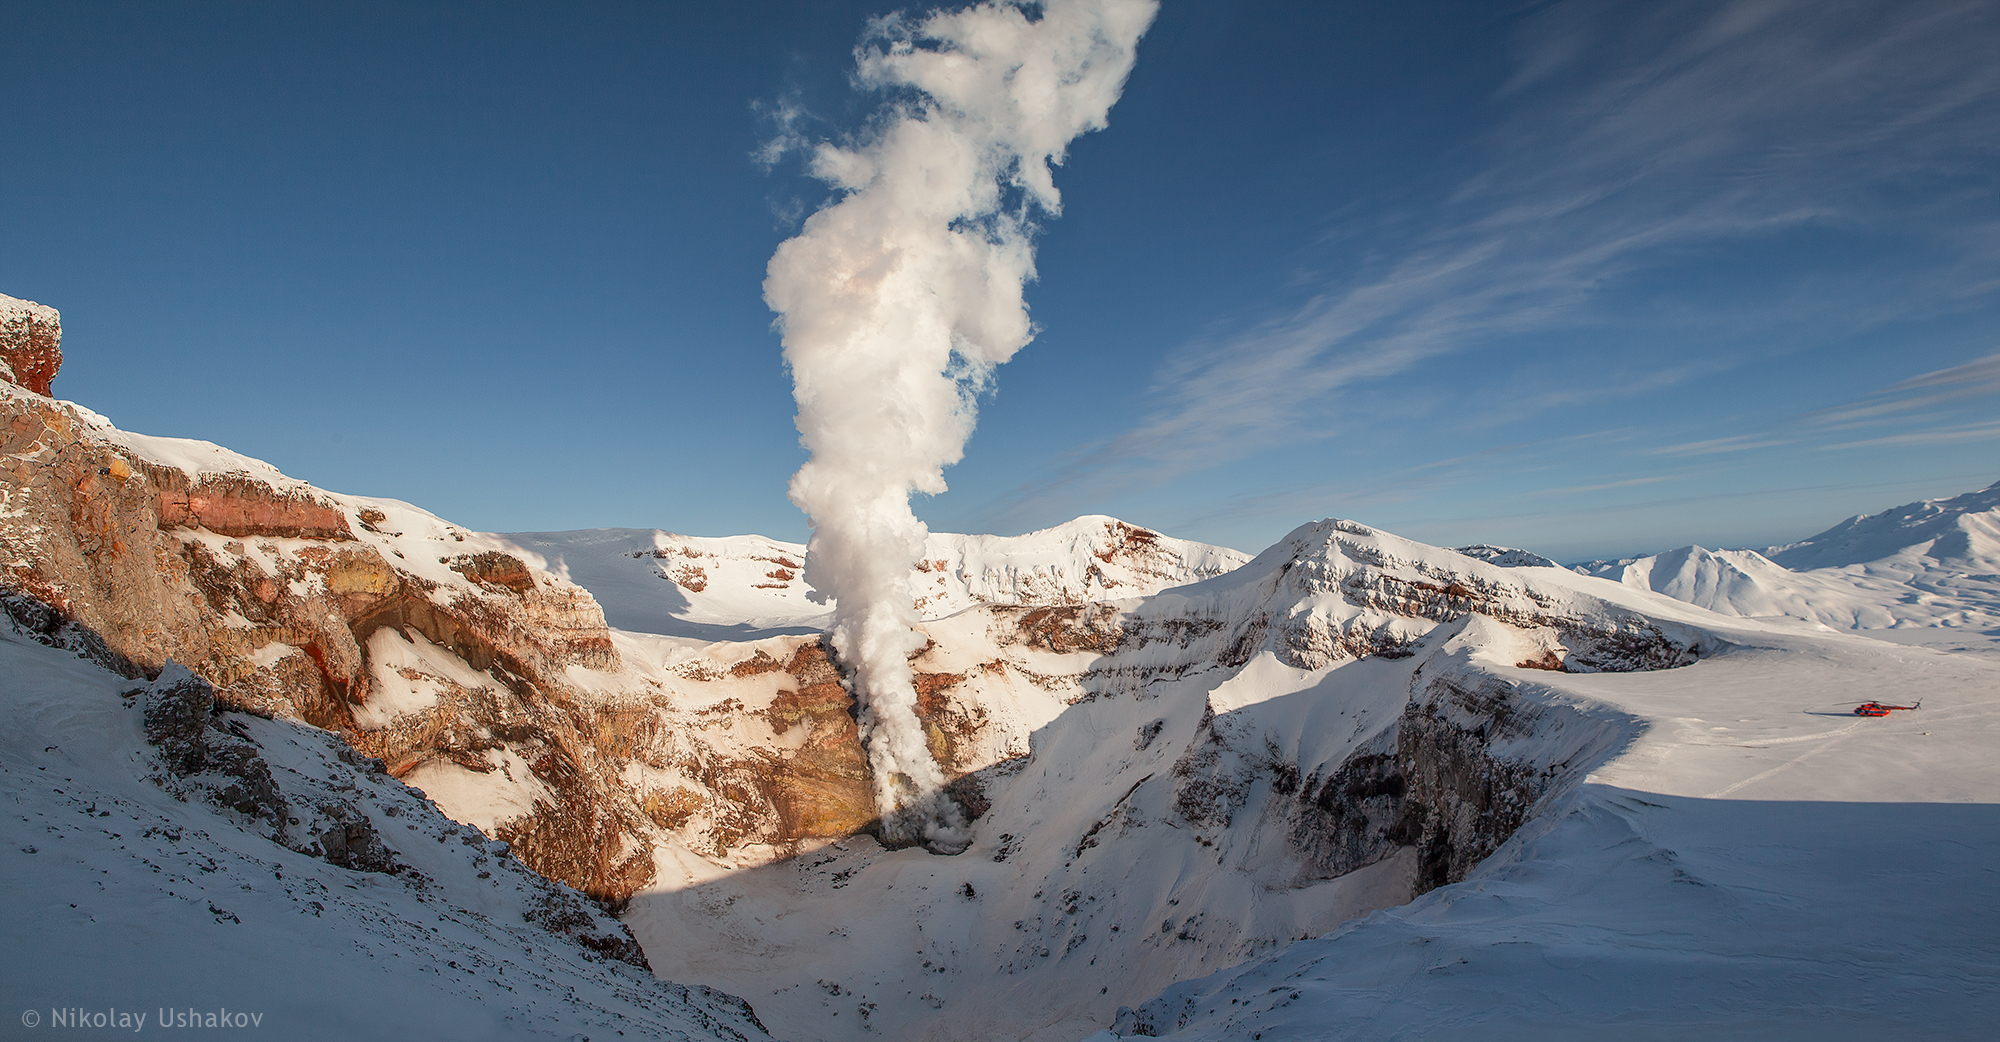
207,753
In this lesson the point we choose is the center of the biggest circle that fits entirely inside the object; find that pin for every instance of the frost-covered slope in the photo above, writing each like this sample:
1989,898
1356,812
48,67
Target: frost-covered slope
748,587
1209,774
1962,530
1929,570
1220,770
338,905
1756,864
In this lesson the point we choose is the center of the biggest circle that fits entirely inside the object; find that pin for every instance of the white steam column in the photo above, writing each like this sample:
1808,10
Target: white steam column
897,301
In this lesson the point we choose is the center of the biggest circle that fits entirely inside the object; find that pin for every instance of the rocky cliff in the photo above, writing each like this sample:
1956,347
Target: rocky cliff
283,596
473,672
1171,784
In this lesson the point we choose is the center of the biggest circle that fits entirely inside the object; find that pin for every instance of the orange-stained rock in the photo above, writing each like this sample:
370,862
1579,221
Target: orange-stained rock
242,506
30,343
262,589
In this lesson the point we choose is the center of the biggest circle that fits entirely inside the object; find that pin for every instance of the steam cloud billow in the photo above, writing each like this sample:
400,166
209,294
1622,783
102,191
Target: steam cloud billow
897,301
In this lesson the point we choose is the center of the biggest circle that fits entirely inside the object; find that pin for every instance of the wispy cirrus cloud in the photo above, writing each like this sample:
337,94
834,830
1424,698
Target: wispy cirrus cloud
1717,446
1934,436
1917,394
1602,486
1628,137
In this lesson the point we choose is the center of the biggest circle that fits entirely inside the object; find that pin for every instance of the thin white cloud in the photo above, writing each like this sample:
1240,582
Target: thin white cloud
788,117
1626,483
1936,436
1715,446
1632,136
1973,379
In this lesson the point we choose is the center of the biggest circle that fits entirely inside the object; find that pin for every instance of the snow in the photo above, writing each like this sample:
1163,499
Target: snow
1696,872
724,589
1641,915
1758,863
1082,856
506,790
748,587
122,897
271,654
1929,572
1962,528
12,308
410,673
1506,556
1747,859
1729,852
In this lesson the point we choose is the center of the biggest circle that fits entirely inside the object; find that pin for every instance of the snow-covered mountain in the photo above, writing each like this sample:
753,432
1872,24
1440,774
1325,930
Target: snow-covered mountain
1929,571
1214,772
1751,862
1962,531
1355,787
745,587
1246,760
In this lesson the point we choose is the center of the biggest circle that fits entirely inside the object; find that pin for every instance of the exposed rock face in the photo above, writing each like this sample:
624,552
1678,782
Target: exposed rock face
1506,556
271,591
236,505
752,752
1460,800
30,343
1429,782
211,756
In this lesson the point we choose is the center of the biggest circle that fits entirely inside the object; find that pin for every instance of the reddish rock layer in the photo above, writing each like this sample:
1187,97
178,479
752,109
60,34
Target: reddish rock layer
30,343
278,619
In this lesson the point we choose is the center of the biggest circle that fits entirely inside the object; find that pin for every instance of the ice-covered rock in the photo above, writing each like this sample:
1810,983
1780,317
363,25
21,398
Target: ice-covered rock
1506,556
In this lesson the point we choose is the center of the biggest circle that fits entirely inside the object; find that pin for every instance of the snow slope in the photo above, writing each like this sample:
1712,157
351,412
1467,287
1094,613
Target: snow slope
125,898
1720,846
1929,571
1757,864
1963,529
1162,824
750,587
1188,781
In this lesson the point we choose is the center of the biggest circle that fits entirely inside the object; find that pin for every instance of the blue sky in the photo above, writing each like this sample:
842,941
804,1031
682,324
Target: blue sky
1589,279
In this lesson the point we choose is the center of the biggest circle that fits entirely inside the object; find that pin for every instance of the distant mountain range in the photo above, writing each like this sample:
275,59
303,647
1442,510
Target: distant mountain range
1929,564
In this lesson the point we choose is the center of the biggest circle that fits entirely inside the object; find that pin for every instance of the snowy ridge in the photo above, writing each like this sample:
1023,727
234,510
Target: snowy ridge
1156,819
13,308
1506,556
1929,570
747,587
435,932
1755,864
196,459
1963,528
415,537
1336,590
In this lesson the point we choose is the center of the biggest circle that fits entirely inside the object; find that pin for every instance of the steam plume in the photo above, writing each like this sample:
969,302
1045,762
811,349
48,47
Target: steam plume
897,301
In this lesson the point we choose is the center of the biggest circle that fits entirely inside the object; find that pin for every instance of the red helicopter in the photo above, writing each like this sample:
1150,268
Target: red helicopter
1881,709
